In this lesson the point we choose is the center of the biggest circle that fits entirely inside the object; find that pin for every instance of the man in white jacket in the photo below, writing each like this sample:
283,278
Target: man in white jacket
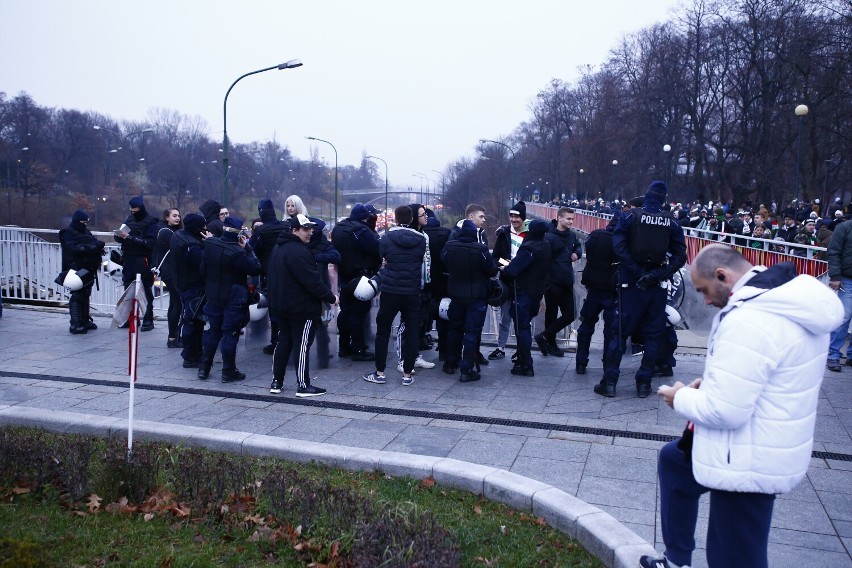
752,419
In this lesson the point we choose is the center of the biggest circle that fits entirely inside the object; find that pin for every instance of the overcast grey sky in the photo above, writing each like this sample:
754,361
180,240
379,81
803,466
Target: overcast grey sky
416,83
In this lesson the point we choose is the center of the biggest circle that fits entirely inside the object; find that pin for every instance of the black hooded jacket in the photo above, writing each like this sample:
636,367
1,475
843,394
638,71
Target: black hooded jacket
80,248
210,210
143,233
469,265
403,250
296,288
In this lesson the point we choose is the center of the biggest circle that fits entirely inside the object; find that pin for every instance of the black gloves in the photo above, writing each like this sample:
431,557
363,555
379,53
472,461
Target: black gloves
647,281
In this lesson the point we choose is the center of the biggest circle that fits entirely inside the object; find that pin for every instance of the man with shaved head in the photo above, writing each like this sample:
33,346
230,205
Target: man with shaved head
751,422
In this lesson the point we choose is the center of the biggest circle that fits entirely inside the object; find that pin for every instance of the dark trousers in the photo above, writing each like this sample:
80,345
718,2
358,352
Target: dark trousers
524,308
597,302
738,529
225,322
465,327
558,297
641,311
668,345
408,306
350,321
298,335
175,308
192,324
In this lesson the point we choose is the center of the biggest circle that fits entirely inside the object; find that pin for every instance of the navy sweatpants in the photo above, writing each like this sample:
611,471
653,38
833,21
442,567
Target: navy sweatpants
738,530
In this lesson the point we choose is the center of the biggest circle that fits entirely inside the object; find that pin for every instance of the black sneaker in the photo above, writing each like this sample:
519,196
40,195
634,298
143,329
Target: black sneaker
363,356
309,390
77,330
480,359
469,377
269,349
90,324
175,343
849,361
189,364
496,354
277,385
449,368
147,326
643,390
652,562
581,369
554,349
832,364
203,373
542,343
232,376
515,357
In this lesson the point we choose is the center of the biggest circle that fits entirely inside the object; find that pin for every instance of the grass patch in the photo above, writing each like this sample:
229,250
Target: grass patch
69,500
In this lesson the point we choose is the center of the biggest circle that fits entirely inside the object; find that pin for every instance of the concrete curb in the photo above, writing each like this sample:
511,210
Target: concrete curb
598,532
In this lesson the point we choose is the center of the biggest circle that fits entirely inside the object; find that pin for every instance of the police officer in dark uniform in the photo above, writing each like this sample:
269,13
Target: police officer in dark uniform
136,249
262,242
187,248
470,267
642,241
358,245
81,251
600,278
529,271
227,262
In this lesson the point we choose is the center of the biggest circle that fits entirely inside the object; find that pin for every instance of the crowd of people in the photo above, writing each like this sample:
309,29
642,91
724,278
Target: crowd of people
215,266
751,414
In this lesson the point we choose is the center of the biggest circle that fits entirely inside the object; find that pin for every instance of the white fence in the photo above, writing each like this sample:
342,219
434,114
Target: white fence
30,260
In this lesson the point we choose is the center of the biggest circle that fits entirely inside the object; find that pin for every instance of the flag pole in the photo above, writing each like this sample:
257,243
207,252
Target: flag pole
133,338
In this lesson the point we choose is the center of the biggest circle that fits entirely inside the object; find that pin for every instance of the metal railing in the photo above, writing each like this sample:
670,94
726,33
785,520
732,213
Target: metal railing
31,259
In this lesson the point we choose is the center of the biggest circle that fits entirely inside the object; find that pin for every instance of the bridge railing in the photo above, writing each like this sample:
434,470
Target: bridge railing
807,259
31,259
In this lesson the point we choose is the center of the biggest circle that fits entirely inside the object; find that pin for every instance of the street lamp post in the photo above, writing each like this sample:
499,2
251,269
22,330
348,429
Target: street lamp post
335,173
292,64
580,183
509,148
443,191
612,183
422,177
667,151
386,181
801,111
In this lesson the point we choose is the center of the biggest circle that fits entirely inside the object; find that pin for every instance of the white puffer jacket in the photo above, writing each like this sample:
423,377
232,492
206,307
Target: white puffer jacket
755,411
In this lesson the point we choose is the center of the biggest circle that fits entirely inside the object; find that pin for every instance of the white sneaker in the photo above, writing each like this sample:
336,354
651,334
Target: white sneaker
399,368
423,363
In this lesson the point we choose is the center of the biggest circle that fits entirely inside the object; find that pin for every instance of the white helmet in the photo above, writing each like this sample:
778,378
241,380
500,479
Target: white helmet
259,310
444,309
366,289
673,315
72,281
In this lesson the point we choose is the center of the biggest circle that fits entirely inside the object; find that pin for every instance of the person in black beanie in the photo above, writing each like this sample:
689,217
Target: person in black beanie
137,246
210,211
358,245
529,272
81,251
470,266
187,248
262,242
438,237
227,263
650,246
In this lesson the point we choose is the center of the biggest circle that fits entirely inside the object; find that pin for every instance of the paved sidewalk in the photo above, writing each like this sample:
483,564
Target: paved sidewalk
550,428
